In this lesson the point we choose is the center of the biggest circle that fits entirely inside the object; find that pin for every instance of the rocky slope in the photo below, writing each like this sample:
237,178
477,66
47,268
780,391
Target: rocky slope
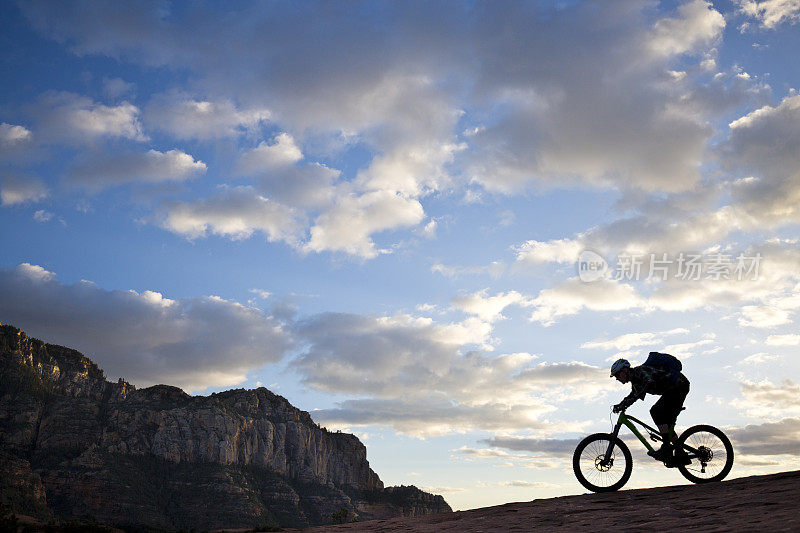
758,503
75,446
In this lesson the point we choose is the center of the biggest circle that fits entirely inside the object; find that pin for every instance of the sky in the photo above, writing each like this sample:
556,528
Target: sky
432,224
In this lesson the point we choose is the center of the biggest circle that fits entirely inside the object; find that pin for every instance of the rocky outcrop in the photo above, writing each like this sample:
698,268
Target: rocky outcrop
76,446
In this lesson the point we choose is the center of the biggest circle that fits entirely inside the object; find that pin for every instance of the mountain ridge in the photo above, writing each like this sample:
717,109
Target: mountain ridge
76,446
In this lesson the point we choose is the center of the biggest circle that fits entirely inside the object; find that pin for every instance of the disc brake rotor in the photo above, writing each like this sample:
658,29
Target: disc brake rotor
601,465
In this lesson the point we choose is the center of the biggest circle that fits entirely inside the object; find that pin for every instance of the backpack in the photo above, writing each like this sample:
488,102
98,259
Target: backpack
668,363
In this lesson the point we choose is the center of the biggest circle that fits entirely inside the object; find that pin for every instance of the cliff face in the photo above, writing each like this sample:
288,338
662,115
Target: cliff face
75,446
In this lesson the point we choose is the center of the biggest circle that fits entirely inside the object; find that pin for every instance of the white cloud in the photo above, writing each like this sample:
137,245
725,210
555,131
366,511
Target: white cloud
632,340
769,401
771,13
689,349
494,269
308,186
429,230
142,336
115,88
107,170
43,216
763,316
266,157
11,135
261,293
16,190
420,377
770,438
350,223
186,117
758,359
488,308
631,136
547,447
280,176
71,118
768,297
557,251
765,144
697,25
789,339
573,296
234,213
574,93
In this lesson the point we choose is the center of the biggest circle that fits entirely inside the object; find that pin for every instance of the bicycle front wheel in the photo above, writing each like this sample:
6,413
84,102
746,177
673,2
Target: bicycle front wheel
710,451
597,472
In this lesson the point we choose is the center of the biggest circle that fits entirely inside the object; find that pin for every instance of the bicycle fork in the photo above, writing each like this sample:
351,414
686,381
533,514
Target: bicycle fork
608,458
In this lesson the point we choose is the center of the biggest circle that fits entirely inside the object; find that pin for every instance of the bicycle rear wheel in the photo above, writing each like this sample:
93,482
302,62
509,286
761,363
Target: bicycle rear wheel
597,473
710,451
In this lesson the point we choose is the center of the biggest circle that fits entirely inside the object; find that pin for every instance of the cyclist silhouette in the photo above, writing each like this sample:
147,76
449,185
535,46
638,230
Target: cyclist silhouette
671,385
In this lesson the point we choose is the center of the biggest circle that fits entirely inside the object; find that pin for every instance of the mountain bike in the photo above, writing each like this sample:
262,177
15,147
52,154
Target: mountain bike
603,463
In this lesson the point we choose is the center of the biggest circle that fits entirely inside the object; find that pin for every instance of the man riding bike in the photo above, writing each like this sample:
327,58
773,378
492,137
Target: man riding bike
671,385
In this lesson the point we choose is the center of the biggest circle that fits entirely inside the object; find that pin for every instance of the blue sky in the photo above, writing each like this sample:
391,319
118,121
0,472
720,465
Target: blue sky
376,209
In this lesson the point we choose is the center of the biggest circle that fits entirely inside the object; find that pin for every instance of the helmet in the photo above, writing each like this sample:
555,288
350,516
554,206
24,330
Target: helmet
618,365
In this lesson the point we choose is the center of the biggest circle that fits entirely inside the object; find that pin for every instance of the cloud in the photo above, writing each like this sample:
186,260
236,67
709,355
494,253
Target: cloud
422,378
573,296
494,98
556,251
143,336
280,175
107,170
789,339
763,316
12,135
627,341
696,25
432,416
115,88
70,118
770,438
765,145
488,308
43,216
186,117
235,213
266,157
767,400
349,224
770,13
549,447
15,190
495,269
571,92
569,119
529,484
758,359
690,349
772,288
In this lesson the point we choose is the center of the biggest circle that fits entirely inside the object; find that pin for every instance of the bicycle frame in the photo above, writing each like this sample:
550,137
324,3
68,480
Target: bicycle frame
629,422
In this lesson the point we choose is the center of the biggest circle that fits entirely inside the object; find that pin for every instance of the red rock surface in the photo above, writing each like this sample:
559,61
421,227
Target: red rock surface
761,503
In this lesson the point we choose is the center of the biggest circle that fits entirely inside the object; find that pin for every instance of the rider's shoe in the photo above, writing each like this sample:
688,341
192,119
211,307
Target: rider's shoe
662,454
682,458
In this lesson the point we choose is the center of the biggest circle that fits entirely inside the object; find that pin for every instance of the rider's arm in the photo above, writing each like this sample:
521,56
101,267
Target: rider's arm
639,383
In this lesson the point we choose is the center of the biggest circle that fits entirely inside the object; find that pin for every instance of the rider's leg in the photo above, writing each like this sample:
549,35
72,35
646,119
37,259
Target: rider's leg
665,412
